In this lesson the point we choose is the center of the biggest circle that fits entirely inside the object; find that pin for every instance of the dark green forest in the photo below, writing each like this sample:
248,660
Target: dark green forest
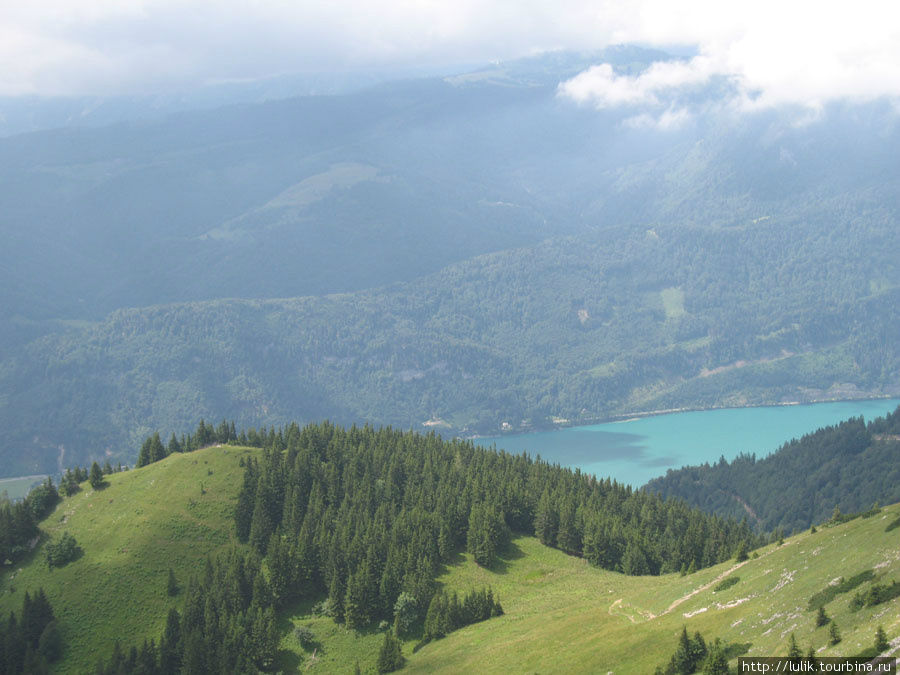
847,467
582,329
30,640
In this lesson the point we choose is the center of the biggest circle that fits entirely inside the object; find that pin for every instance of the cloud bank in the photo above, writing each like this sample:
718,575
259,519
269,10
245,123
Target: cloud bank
770,53
773,52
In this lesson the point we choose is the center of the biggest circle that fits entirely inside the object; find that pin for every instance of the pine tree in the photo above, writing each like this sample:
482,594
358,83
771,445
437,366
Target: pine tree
834,634
144,454
390,658
881,641
170,645
794,652
96,476
821,618
683,658
546,520
716,663
157,449
172,584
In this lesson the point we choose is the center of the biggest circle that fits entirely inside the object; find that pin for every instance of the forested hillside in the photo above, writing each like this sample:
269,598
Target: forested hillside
847,467
610,322
466,251
338,522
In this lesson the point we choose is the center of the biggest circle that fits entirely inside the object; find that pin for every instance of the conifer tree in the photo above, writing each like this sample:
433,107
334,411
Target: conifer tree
716,663
390,658
170,646
96,476
172,584
794,652
684,657
834,634
157,449
144,454
881,641
821,618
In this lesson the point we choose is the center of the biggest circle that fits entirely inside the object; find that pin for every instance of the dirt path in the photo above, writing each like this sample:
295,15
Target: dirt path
650,615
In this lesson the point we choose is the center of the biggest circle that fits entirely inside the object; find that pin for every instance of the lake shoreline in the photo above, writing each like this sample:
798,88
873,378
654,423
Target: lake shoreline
636,448
638,415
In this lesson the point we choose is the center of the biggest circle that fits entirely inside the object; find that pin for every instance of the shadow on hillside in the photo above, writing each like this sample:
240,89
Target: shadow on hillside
509,553
736,649
287,661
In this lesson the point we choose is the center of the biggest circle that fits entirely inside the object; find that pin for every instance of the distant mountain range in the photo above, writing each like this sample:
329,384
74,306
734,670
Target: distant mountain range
465,250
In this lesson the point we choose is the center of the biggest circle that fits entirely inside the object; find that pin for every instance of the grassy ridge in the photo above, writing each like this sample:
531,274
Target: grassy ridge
561,614
131,531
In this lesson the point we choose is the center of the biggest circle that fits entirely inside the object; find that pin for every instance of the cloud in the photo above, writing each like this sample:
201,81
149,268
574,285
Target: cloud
600,86
773,52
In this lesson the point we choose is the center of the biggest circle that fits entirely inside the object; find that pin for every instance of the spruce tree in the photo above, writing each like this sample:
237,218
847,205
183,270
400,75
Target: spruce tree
170,645
144,454
794,652
172,584
96,476
881,641
821,618
390,658
716,663
834,634
157,449
684,658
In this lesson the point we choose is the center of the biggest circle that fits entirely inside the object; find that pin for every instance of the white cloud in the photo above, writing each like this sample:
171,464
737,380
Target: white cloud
600,86
774,51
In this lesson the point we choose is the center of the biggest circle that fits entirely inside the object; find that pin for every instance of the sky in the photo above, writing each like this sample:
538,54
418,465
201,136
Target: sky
771,52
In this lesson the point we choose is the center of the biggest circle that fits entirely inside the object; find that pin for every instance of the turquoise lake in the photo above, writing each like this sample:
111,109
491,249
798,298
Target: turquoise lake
634,451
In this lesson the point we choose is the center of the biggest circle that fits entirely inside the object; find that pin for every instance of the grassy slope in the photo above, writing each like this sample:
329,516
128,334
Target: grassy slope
131,532
561,614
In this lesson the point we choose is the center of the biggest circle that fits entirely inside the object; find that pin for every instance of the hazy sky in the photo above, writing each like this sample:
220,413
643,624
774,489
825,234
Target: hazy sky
784,51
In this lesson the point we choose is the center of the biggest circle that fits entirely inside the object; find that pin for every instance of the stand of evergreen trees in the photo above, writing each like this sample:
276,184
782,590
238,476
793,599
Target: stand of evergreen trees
29,643
153,449
446,613
19,520
849,465
228,626
363,514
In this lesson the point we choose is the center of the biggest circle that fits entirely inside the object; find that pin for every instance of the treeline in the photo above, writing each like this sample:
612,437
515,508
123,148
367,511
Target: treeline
362,515
446,613
849,466
227,626
692,654
19,520
153,449
29,643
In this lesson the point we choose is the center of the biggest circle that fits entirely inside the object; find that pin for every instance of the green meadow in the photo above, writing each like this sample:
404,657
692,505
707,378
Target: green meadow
561,615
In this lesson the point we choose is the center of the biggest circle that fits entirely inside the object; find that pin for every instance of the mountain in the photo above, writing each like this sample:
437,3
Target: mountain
609,322
460,251
561,614
848,466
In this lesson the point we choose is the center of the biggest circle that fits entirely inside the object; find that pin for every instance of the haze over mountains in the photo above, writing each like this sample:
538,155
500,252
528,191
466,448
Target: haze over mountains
467,250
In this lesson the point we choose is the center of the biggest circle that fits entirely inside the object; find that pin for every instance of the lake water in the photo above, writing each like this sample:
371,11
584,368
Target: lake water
634,451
